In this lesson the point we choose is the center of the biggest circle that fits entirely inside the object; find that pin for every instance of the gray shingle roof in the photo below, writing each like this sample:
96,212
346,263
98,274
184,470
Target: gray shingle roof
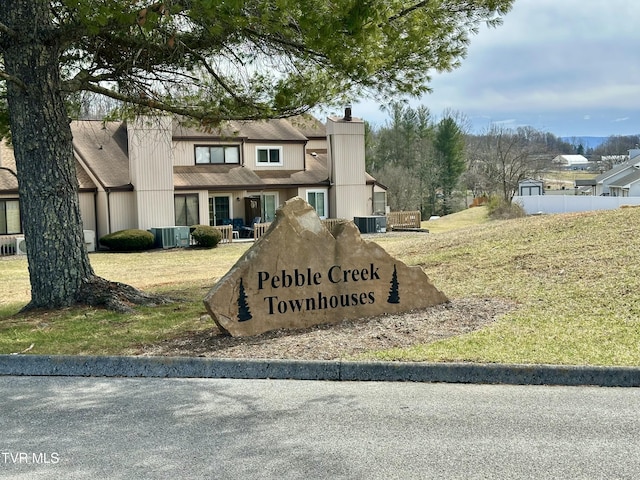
9,182
613,171
634,176
277,130
102,147
225,177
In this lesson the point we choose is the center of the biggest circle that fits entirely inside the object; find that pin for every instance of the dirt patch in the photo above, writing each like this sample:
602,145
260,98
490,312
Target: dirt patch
344,339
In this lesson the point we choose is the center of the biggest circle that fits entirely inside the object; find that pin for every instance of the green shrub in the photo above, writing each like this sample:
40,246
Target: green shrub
205,236
128,240
499,209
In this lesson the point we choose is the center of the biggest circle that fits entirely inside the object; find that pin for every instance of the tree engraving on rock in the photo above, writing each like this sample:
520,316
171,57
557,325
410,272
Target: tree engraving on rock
394,294
244,313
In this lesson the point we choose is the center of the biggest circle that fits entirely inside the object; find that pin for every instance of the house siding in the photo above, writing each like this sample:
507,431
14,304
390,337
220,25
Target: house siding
87,210
102,220
151,167
316,144
184,151
634,190
349,196
292,155
122,211
354,201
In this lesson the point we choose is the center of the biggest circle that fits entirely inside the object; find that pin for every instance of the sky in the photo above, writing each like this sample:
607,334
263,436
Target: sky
569,67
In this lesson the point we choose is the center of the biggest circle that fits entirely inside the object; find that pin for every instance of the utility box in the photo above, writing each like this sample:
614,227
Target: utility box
170,237
90,240
371,224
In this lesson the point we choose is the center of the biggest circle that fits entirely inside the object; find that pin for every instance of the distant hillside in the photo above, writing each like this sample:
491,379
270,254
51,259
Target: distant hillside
587,142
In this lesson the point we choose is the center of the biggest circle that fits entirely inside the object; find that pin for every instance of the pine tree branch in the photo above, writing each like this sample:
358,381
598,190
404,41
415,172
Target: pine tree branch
12,79
154,104
408,10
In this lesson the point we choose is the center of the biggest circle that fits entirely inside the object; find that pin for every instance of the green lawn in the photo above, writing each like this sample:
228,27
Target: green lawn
575,280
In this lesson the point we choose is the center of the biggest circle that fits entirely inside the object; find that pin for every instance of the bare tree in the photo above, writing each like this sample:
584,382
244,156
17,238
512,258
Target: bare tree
500,158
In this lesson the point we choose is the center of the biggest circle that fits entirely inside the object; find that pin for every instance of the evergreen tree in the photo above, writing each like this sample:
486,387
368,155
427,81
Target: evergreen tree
449,151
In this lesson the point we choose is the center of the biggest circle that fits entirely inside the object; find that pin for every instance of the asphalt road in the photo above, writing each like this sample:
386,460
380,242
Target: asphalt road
141,428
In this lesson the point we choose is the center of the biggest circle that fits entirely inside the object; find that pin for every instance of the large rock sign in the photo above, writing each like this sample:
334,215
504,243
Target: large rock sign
299,274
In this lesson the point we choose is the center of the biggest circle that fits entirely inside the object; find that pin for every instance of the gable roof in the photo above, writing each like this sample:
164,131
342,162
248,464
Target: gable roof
309,126
626,180
571,160
103,148
275,130
102,156
230,177
9,181
614,171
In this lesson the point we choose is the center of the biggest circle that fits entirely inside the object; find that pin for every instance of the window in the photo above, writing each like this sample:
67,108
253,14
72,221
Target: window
318,200
219,210
379,202
217,154
269,155
186,210
9,217
269,202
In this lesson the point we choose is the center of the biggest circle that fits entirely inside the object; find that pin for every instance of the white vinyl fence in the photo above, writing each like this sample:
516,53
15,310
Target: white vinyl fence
571,203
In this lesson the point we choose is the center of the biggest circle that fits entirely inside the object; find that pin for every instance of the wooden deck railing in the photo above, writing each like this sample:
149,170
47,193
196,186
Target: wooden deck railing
403,220
259,229
227,233
7,245
394,220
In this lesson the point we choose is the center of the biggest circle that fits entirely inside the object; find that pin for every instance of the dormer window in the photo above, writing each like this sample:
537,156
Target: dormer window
217,154
271,156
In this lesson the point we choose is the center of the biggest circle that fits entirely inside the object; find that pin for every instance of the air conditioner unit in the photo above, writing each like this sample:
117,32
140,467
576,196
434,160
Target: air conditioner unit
171,237
90,240
371,224
21,246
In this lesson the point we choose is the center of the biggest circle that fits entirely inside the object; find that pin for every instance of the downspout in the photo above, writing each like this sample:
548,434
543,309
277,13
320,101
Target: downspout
95,215
304,156
108,190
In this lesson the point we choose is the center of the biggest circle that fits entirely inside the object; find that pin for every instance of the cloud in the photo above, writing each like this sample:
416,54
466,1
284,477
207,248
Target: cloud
550,61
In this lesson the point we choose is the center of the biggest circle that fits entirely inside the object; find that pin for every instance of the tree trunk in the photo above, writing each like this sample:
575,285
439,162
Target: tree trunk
59,269
48,186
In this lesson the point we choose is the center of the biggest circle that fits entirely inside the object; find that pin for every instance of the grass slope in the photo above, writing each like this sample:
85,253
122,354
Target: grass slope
575,279
464,219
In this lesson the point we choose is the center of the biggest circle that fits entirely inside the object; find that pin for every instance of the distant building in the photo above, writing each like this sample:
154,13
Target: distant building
572,162
530,187
622,180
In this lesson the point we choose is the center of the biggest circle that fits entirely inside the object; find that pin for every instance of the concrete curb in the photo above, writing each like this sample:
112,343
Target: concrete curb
198,367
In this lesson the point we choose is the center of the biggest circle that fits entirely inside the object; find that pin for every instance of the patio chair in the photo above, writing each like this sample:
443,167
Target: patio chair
247,230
